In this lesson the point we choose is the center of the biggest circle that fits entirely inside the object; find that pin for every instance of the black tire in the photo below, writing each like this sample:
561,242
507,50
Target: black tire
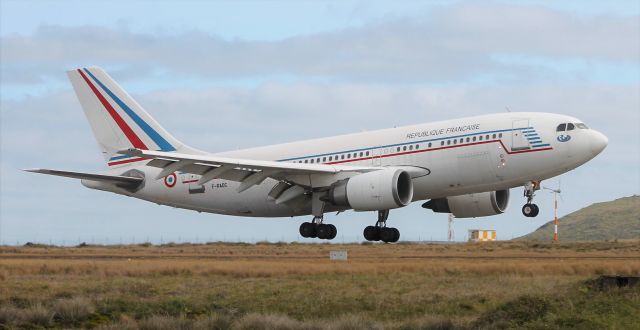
387,234
308,230
372,233
536,210
396,236
334,232
527,210
324,231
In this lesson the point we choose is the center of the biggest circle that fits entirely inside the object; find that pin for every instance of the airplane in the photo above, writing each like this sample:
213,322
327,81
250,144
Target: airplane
464,166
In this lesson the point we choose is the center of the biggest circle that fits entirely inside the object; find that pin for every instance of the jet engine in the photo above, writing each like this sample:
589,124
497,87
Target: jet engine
384,189
472,205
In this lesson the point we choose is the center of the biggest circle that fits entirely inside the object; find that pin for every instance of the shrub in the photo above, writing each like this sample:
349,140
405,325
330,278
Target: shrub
517,312
37,315
9,315
73,310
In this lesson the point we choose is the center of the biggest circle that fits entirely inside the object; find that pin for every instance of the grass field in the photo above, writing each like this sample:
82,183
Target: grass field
292,286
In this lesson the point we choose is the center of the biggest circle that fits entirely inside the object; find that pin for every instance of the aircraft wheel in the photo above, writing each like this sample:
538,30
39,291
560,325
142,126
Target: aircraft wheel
536,210
396,233
388,235
308,230
325,231
372,233
528,210
334,232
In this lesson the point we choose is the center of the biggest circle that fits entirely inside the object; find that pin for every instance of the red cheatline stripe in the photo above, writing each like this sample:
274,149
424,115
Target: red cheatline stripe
132,160
133,138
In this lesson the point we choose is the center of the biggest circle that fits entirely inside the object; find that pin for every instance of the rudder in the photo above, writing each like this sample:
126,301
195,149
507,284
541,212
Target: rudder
117,120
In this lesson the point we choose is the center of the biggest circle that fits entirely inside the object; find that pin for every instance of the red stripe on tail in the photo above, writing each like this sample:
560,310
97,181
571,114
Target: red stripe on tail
133,138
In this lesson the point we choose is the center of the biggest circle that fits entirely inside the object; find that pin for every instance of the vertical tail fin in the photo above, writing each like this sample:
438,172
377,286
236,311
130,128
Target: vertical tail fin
117,120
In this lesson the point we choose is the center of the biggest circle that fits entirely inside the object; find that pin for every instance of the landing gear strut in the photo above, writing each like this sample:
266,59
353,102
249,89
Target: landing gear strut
380,232
530,210
316,228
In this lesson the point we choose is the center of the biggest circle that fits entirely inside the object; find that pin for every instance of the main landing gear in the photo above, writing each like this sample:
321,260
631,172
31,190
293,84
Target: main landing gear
530,210
316,228
380,232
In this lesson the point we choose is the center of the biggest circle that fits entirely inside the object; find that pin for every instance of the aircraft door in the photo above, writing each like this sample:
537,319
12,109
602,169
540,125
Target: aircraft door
518,140
376,157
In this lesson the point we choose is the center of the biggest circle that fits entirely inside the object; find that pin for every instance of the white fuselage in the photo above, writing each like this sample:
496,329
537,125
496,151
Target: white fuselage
461,156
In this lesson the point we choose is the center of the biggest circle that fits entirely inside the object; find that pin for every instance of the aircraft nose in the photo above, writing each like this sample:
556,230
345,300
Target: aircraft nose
598,142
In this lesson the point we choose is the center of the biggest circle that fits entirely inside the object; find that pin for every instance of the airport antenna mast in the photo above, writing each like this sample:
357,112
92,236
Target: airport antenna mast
555,192
451,234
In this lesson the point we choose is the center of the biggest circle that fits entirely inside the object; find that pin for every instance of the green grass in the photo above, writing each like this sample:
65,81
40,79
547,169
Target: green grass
400,289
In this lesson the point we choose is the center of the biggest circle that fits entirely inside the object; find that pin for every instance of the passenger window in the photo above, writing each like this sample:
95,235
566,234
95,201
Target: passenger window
480,138
360,153
312,161
398,149
448,142
474,139
330,158
561,128
494,136
318,160
342,157
441,143
570,127
417,146
429,145
367,153
324,159
487,137
468,139
500,135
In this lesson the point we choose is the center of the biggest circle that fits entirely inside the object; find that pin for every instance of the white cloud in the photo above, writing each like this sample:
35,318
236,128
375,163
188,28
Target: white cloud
449,44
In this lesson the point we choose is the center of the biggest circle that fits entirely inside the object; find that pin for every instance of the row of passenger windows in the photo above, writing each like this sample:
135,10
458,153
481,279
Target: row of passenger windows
361,154
570,127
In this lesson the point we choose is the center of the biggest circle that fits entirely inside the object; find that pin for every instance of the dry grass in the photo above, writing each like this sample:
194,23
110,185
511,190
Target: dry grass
296,286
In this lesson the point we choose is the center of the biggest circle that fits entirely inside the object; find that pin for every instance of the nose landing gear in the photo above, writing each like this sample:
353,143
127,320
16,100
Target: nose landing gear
530,210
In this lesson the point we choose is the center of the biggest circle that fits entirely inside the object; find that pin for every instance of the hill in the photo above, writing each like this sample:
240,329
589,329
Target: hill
618,219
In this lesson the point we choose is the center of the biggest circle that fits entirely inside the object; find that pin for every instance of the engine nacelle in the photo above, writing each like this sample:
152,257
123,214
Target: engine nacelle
471,205
385,189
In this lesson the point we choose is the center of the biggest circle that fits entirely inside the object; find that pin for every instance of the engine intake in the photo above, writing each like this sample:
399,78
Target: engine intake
384,189
472,205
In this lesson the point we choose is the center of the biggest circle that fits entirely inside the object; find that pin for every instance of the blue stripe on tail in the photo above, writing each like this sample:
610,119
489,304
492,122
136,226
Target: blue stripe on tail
157,138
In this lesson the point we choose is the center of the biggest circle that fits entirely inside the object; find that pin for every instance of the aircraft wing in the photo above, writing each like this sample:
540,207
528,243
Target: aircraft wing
118,179
246,171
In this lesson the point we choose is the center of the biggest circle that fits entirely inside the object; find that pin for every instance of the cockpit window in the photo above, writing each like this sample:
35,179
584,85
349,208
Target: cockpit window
561,128
582,126
570,127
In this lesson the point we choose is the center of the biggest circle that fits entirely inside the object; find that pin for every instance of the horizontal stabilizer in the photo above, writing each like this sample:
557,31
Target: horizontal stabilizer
119,179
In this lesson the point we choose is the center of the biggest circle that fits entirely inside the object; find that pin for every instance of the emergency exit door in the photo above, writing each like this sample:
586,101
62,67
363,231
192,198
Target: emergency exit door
518,140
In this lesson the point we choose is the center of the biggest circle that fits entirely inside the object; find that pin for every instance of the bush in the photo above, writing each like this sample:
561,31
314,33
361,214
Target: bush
36,315
9,315
517,312
69,311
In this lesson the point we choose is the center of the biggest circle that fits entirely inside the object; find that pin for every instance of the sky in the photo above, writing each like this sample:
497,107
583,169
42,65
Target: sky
233,74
